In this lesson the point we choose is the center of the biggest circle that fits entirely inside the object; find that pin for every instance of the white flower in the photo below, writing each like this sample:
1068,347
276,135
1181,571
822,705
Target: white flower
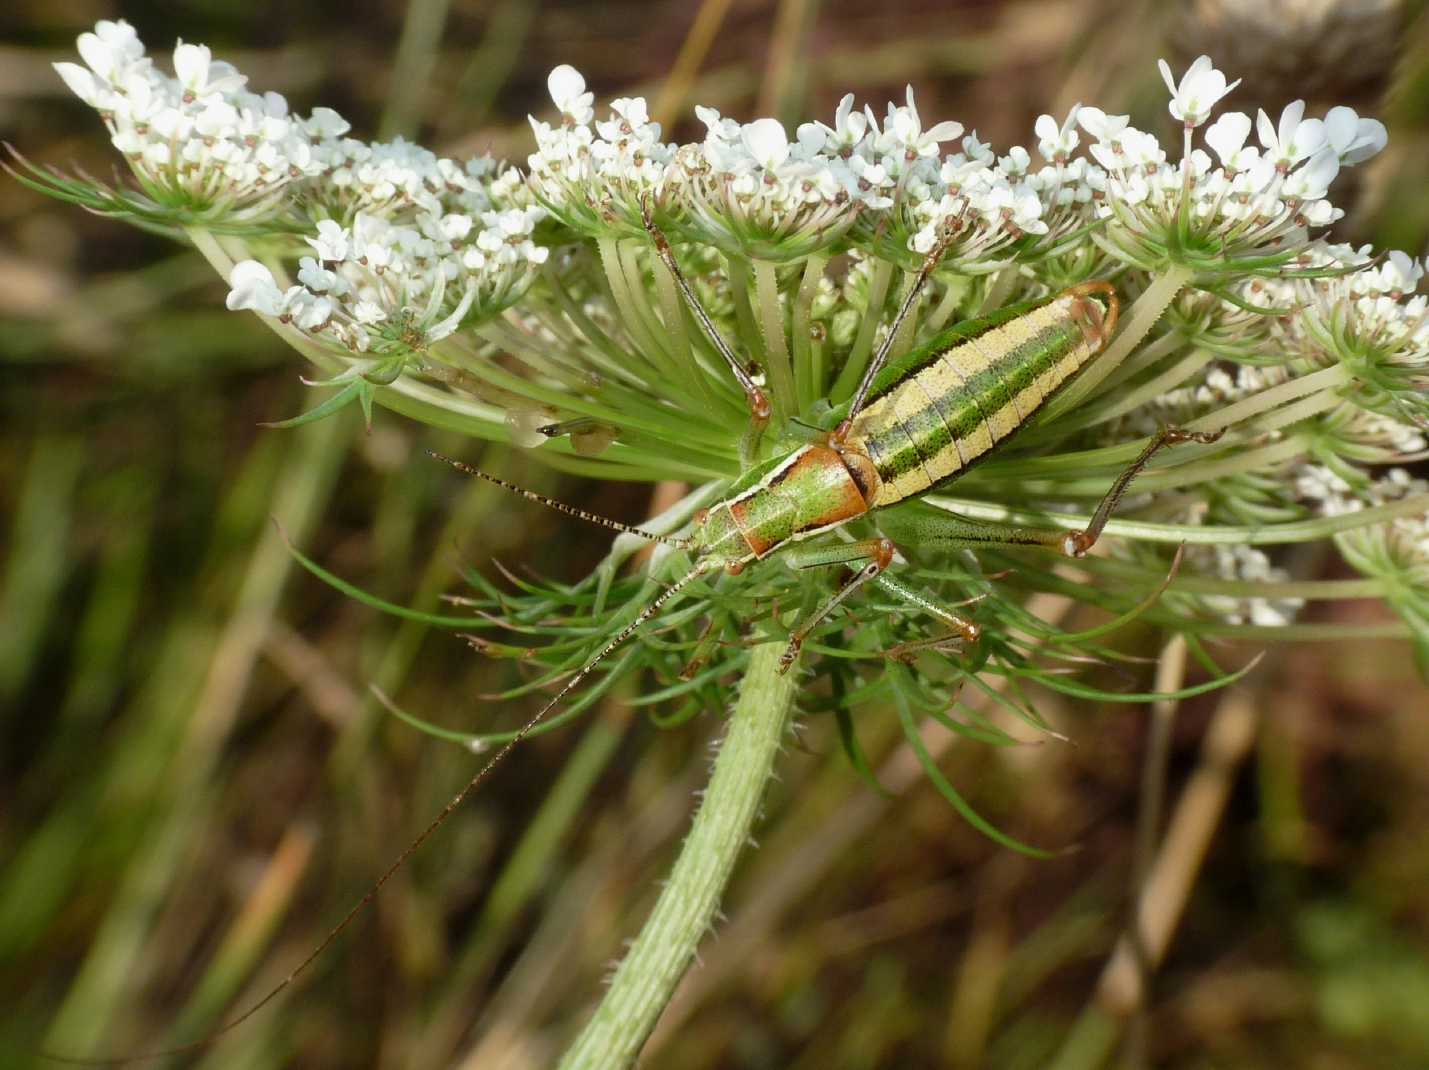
766,141
902,127
1353,139
1100,125
251,286
1227,137
848,129
1199,90
199,76
568,91
83,84
331,242
112,50
1296,137
1056,143
1311,182
324,123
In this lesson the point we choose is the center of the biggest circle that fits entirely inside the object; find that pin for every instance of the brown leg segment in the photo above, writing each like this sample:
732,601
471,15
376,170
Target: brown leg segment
1079,542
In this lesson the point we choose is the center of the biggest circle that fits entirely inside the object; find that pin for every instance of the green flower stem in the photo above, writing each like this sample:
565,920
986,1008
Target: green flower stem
999,290
1151,353
808,381
943,311
858,357
647,977
1113,405
737,271
904,342
1221,534
1139,320
1265,400
771,317
646,348
673,310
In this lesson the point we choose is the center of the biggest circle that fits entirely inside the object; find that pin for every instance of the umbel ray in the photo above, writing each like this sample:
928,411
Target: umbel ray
914,424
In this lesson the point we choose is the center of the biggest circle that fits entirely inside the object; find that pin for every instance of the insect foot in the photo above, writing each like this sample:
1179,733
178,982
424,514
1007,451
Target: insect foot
1177,435
791,653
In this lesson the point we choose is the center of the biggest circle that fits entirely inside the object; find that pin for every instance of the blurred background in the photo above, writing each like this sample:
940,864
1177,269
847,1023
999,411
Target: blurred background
195,783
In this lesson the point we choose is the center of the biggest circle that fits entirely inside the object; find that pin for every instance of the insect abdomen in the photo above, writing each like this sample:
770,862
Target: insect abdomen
926,428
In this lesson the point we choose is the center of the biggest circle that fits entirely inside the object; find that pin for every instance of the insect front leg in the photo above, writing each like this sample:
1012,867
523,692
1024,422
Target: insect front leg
759,407
878,553
964,630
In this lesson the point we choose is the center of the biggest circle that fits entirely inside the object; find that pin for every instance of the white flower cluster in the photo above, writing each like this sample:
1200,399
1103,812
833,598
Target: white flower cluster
379,286
1399,547
1248,565
198,139
590,175
396,177
201,142
749,189
1369,320
1260,199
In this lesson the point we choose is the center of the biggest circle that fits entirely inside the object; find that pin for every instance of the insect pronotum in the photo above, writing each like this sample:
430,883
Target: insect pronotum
913,425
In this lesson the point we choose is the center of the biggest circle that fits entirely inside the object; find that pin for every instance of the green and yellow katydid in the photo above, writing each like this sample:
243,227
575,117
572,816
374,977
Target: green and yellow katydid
913,425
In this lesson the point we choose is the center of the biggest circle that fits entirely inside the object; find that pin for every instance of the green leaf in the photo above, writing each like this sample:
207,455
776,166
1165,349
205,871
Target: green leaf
344,397
435,620
971,816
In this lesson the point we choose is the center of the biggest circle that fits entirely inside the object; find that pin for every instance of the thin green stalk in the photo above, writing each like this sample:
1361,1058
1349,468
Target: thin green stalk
1150,354
644,346
771,317
647,977
947,305
858,357
1139,320
1221,534
1325,379
808,386
999,290
906,331
634,272
673,308
1114,405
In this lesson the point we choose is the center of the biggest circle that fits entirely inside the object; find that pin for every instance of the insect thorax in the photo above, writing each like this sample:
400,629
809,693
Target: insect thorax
810,491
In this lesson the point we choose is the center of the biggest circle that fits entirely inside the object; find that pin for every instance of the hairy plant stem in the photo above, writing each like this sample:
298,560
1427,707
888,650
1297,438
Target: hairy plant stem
646,978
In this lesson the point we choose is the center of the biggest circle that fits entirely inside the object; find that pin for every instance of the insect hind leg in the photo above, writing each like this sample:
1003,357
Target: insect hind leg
1078,543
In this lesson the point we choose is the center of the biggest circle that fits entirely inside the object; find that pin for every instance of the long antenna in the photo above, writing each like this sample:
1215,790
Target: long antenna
700,568
562,507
